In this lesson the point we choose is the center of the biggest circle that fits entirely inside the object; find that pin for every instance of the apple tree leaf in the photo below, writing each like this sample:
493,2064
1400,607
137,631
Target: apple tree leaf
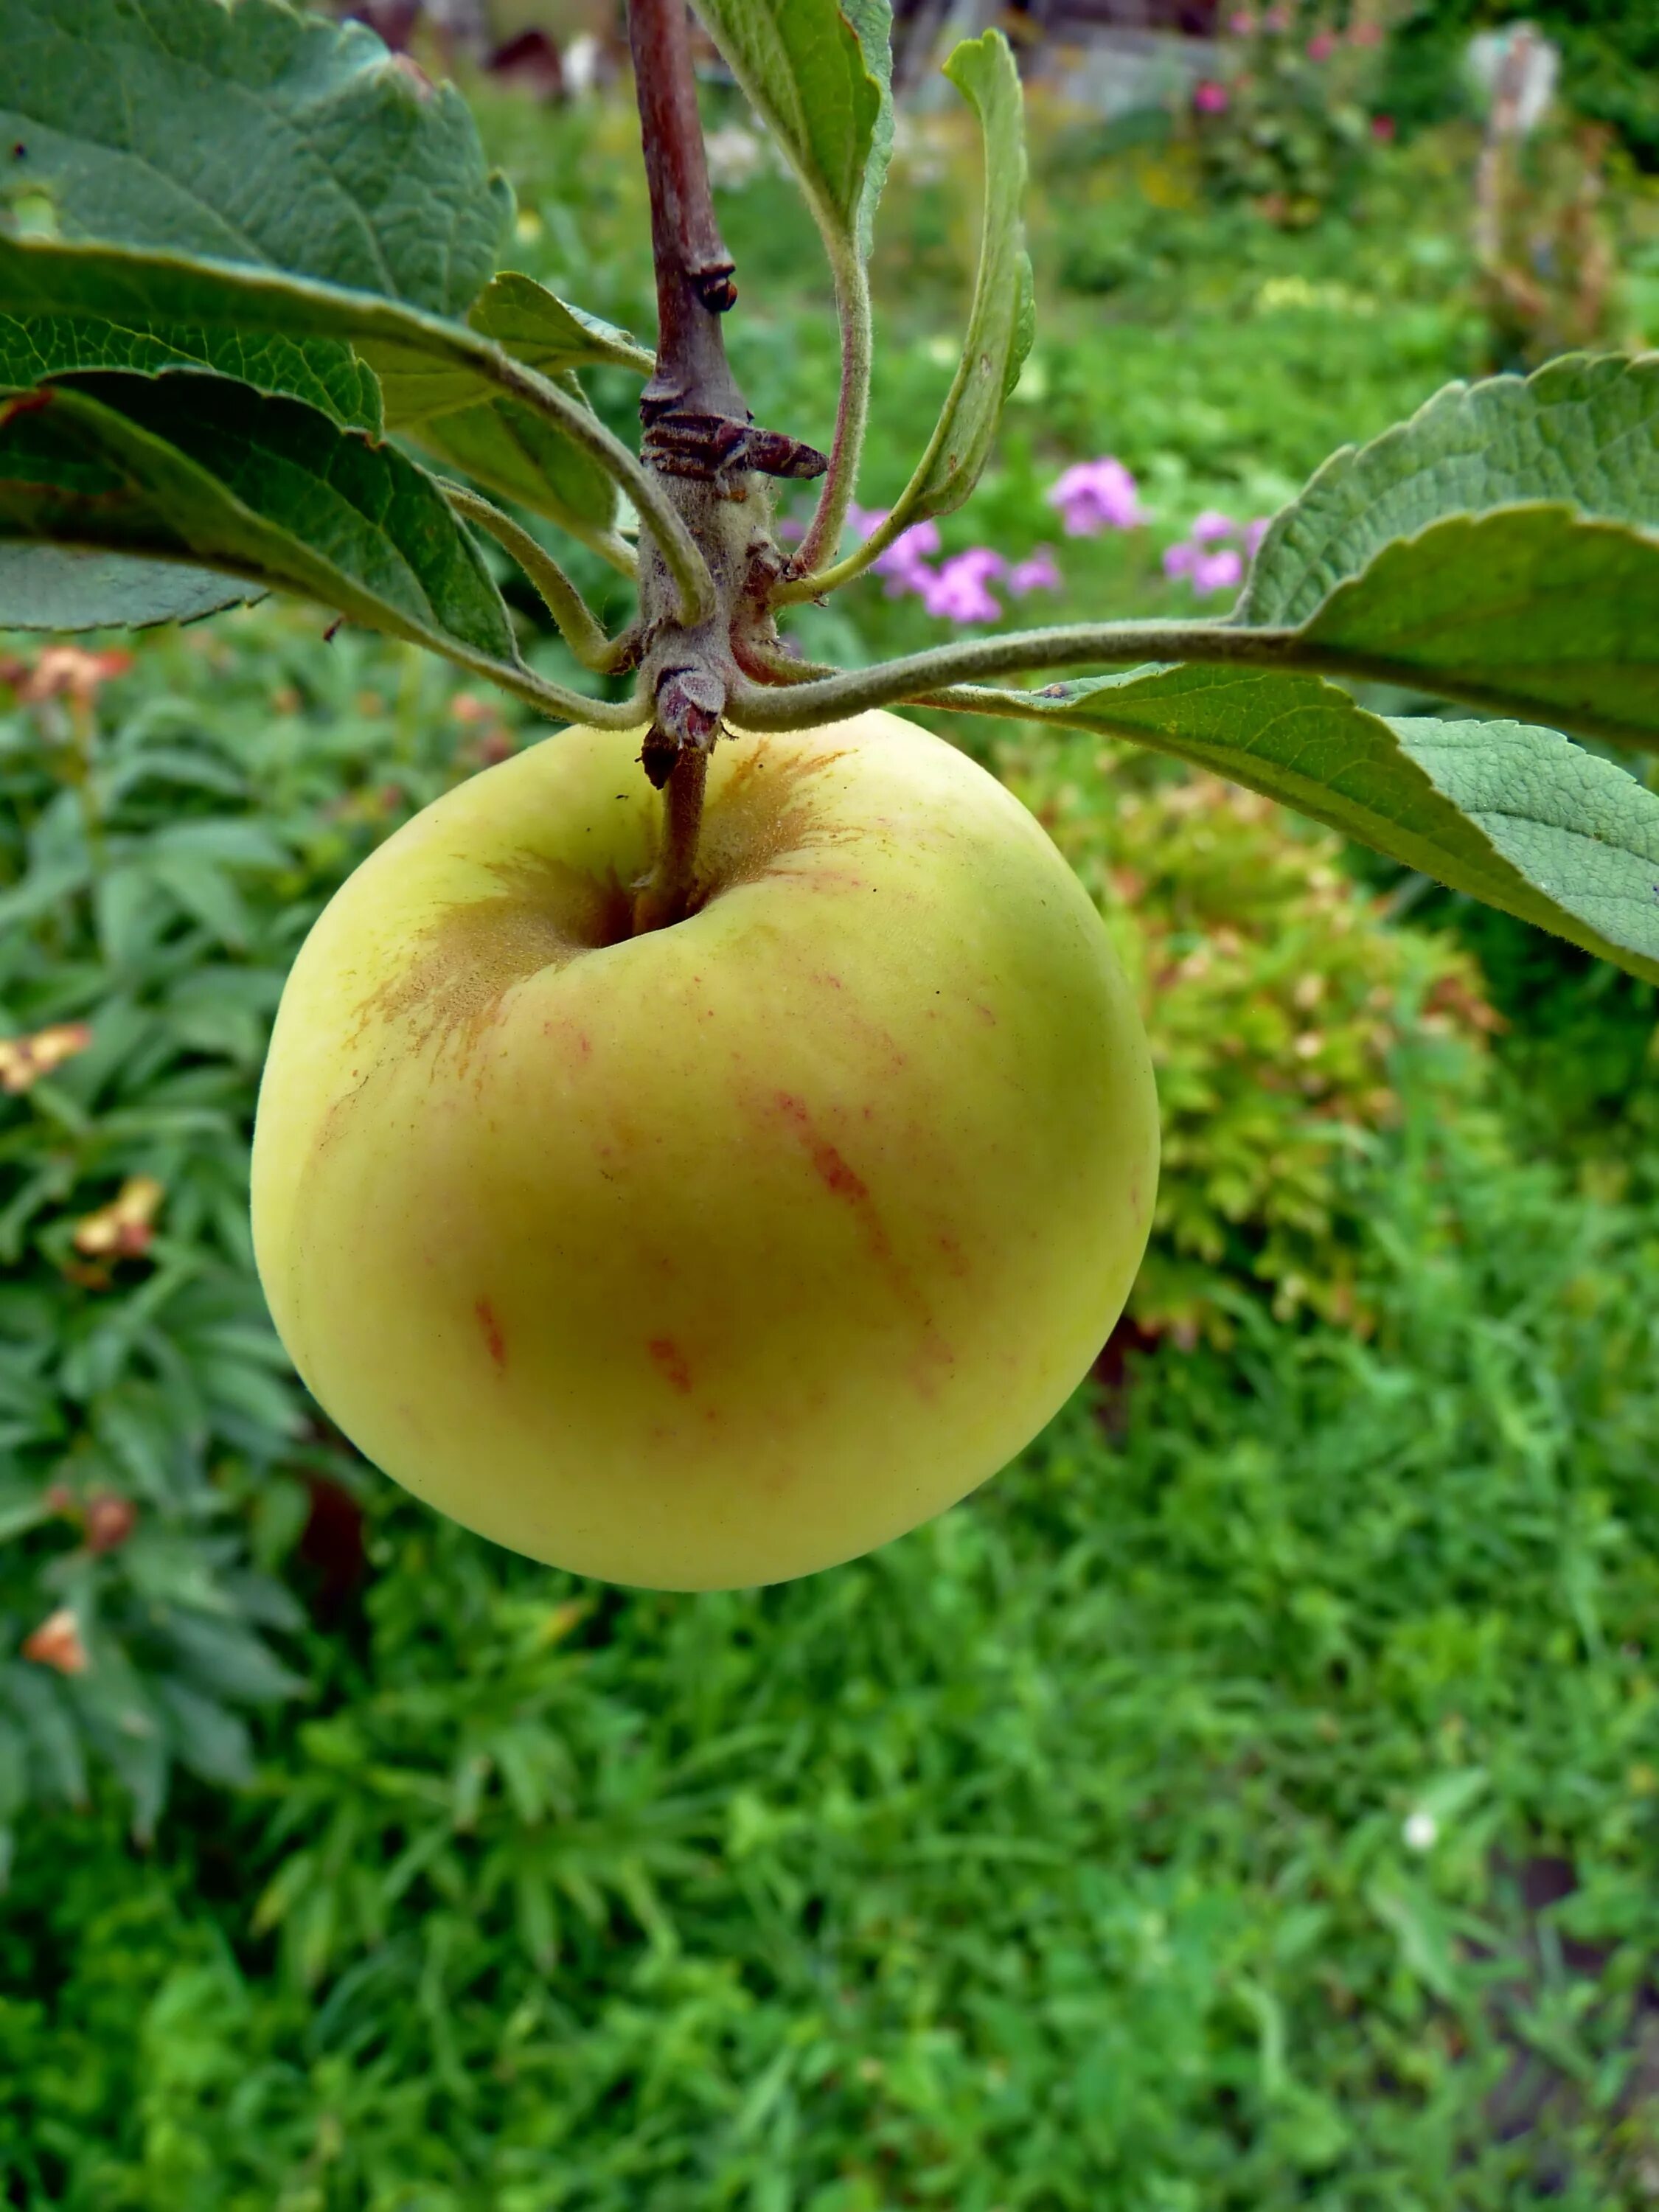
819,76
1501,547
250,133
295,334
207,473
1001,321
1582,433
519,456
51,325
54,588
1517,816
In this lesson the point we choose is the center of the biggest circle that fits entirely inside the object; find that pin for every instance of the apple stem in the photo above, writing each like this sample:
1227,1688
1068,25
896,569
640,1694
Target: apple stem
667,896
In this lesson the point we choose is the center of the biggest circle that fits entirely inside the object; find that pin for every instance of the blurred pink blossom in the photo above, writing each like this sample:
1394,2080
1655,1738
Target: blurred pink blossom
1366,34
1096,495
1276,19
1040,573
1210,98
1383,129
1321,46
903,567
1241,24
1210,567
958,592
1218,572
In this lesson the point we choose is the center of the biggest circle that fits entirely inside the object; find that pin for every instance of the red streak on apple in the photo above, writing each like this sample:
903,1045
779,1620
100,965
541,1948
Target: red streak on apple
832,1170
670,1363
492,1332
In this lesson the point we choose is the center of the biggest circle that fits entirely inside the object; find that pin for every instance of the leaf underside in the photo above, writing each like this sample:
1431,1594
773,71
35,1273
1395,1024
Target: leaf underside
209,472
1518,816
1501,547
819,76
1001,320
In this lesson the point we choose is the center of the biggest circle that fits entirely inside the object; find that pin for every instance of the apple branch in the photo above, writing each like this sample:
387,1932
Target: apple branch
920,678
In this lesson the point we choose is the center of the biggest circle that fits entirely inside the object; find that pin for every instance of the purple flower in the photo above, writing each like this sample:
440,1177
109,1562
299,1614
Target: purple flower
903,566
1040,573
958,591
1210,98
1212,522
1178,559
1096,495
1218,572
1255,532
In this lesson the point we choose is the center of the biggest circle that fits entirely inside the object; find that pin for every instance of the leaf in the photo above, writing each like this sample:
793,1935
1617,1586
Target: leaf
53,326
534,326
207,471
1518,816
55,587
1582,432
442,378
251,133
821,83
520,456
1499,547
1001,320
1530,610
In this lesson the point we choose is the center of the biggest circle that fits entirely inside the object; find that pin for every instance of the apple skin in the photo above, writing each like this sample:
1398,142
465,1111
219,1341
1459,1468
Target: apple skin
716,1256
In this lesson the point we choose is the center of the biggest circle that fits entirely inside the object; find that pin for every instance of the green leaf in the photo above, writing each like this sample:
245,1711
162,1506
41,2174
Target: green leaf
1530,610
534,326
821,83
1499,547
251,133
1582,433
54,588
203,469
521,457
1518,816
442,378
1001,320
53,326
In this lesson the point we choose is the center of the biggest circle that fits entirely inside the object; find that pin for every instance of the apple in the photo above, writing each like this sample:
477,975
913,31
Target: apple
717,1254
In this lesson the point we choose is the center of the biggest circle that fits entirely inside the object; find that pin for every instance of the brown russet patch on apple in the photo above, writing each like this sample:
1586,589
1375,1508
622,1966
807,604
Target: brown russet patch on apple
465,960
764,812
670,1363
488,1322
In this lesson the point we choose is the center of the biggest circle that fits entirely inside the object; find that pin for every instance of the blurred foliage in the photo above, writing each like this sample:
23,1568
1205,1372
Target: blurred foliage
1274,992
171,822
1609,51
1291,122
1157,1831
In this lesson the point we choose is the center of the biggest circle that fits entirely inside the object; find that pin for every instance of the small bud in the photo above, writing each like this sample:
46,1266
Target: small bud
122,1229
24,1060
57,1643
109,1522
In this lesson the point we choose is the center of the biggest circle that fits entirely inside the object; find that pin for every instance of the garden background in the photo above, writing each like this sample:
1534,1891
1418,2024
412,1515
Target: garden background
1248,1800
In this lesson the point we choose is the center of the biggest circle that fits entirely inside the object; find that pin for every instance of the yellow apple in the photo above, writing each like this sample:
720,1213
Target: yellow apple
718,1255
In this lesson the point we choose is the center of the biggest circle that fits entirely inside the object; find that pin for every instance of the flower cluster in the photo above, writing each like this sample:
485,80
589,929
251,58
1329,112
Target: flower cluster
1206,558
1096,495
958,589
